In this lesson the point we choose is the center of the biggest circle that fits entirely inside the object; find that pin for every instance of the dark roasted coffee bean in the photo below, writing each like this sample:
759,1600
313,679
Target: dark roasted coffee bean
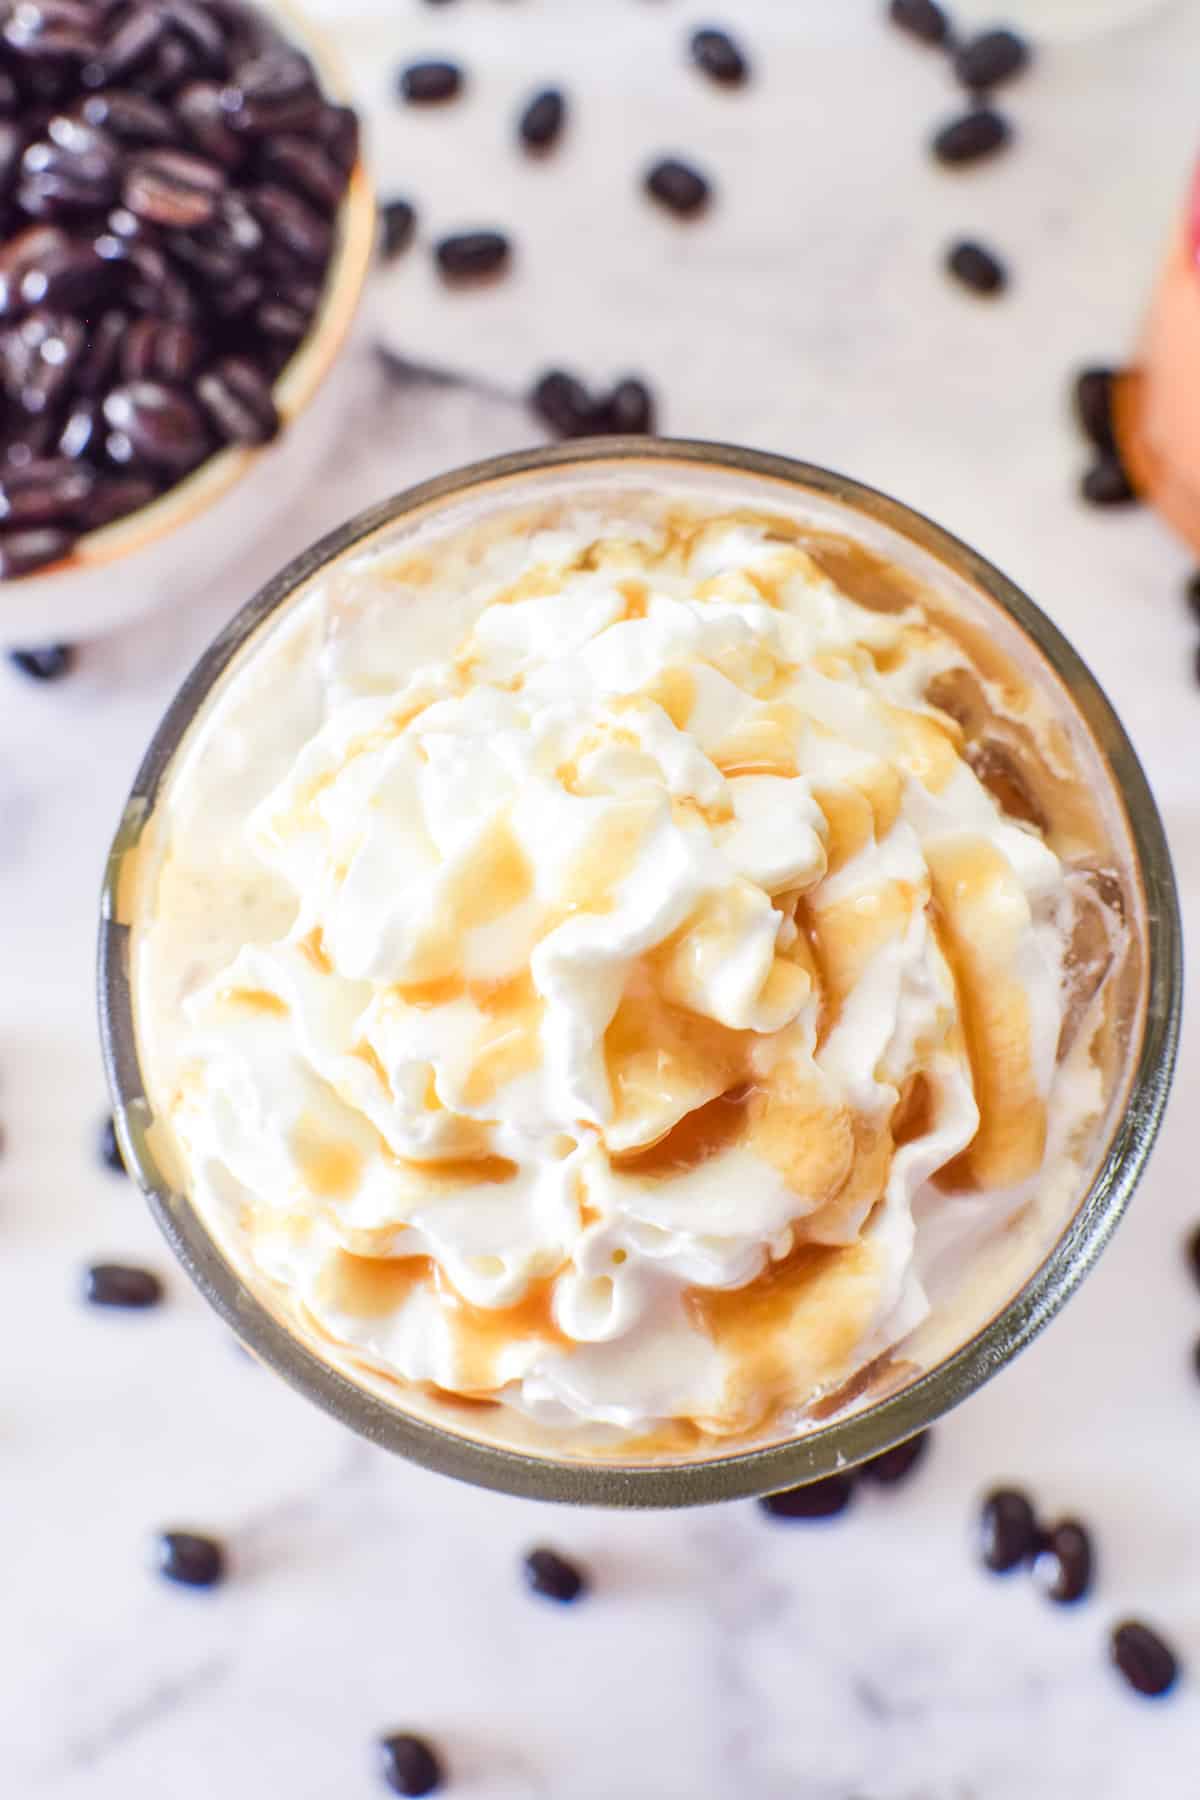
304,166
921,18
168,69
410,1765
679,187
282,321
12,143
628,410
131,45
99,357
1192,595
48,31
720,58
542,120
132,117
21,552
239,297
471,255
39,356
338,130
200,32
1191,1244
551,1575
71,279
1062,1567
115,1284
990,58
83,430
189,1558
898,1463
238,401
817,1500
1107,484
173,188
49,662
1008,1532
24,253
976,268
1147,1663
48,491
10,101
276,91
159,349
973,135
155,287
398,223
74,167
110,1149
563,403
1093,396
201,112
114,497
291,222
423,83
162,424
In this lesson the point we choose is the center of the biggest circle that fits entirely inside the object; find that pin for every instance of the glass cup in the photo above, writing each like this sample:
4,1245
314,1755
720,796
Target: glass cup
1016,1282
196,529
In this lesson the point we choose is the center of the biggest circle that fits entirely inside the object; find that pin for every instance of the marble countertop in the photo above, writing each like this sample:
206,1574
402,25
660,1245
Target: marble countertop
863,1659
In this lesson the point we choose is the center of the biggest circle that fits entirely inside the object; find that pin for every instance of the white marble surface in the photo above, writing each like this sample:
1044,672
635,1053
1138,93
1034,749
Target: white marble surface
720,1654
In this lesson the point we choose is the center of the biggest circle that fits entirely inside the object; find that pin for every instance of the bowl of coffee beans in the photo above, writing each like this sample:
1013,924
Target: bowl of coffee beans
185,230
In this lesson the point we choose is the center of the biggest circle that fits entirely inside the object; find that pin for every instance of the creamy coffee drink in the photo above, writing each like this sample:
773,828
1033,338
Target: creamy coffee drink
611,962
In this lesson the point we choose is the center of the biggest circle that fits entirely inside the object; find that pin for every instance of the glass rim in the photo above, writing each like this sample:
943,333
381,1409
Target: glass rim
827,1448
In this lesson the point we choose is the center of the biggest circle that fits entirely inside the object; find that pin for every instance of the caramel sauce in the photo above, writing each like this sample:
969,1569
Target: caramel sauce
851,932
511,1043
675,692
484,886
366,1053
371,1287
763,745
329,1168
462,1171
254,1000
701,1134
606,859
636,596
663,1061
928,749
915,1111
482,1333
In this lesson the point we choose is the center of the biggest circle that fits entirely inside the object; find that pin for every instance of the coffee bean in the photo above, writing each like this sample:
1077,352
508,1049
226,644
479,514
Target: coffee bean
73,168
131,117
992,57
970,137
338,130
238,401
275,91
898,1463
21,552
81,432
976,268
48,491
921,18
49,662
110,1149
426,83
167,70
628,410
282,320
190,1558
718,56
132,44
100,354
113,497
200,110
1192,595
551,1575
817,1500
305,167
291,222
200,33
1093,395
173,188
20,257
678,186
71,277
12,143
160,422
398,223
1143,1658
563,403
115,1284
1062,1568
1008,1532
38,359
410,1764
157,349
542,120
1107,484
471,255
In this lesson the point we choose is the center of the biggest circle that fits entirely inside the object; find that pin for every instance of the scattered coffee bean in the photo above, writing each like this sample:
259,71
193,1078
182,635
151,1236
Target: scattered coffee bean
678,186
22,552
471,255
110,1149
410,1764
423,83
1062,1567
970,137
976,268
542,120
1147,1663
563,403
1093,394
114,1284
1192,596
398,223
718,56
990,58
49,662
1107,484
818,1500
1008,1532
1191,1244
921,18
190,1558
898,1463
628,410
551,1575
